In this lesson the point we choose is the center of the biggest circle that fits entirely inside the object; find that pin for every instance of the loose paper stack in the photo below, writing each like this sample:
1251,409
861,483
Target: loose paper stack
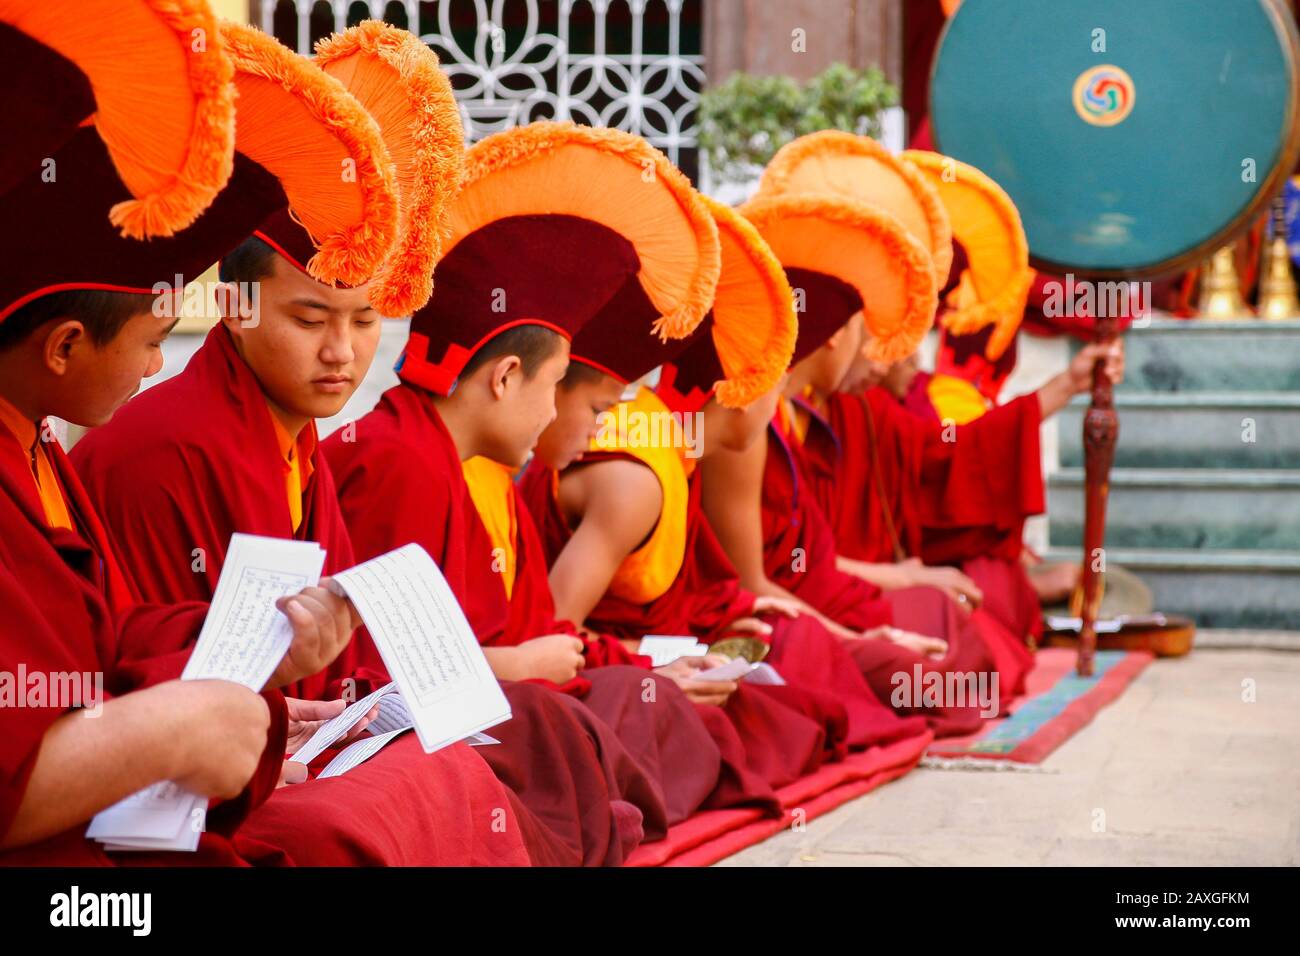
663,650
447,690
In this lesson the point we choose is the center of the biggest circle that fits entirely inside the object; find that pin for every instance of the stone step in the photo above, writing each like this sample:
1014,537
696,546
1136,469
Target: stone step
1191,509
1234,589
1246,430
1173,355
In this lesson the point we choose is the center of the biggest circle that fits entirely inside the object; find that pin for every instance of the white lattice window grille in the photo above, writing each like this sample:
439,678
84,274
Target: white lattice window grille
632,64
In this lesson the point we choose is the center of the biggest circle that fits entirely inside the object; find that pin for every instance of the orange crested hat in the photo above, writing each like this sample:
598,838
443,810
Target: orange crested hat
842,257
302,140
552,221
859,168
995,284
153,78
741,349
396,78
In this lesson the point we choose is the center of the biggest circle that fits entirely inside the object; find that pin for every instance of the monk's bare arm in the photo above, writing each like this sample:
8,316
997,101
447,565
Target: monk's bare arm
887,577
731,493
208,736
612,505
1077,378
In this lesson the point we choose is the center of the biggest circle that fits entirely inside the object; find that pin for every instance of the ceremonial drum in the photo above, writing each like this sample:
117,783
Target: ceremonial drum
1134,136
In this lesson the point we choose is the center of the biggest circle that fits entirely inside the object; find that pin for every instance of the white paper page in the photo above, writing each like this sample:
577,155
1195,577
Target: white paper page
734,669
427,645
244,636
358,752
243,639
764,673
1101,626
158,812
337,727
393,715
662,649
481,740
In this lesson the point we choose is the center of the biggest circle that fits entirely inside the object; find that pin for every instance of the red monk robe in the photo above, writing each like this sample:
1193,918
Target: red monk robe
799,552
763,734
170,483
704,596
400,480
68,609
962,502
655,721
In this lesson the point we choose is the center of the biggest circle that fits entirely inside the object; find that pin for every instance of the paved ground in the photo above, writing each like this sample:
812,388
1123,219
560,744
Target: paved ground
1179,771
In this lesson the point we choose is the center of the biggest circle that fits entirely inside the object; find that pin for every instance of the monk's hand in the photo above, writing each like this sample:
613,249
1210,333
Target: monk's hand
322,623
683,672
748,625
1080,370
954,583
771,604
222,748
307,716
917,643
555,657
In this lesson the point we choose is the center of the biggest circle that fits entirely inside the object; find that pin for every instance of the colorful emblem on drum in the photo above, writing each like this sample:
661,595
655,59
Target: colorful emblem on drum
1104,95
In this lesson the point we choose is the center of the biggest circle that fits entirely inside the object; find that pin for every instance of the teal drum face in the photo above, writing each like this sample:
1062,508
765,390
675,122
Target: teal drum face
1135,136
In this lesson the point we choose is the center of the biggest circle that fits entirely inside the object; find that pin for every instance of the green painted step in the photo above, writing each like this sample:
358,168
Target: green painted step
1172,355
1246,430
1239,589
1192,509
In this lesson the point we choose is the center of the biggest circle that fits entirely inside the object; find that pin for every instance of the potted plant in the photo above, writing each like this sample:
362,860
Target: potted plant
744,121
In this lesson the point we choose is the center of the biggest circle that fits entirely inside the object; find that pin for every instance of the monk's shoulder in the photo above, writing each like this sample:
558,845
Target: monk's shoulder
618,492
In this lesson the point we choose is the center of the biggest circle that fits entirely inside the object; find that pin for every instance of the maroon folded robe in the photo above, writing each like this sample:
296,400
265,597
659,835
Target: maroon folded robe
799,553
704,598
399,480
961,501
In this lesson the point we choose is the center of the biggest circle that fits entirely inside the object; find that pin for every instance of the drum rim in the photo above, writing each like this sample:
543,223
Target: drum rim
1284,25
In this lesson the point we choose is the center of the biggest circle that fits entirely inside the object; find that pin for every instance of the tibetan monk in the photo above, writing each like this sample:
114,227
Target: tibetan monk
478,380
179,485
631,552
771,526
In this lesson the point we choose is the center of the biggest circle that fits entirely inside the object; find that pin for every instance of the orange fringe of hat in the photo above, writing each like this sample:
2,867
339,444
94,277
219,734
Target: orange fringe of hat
754,323
304,126
397,79
164,109
862,246
996,284
858,167
613,178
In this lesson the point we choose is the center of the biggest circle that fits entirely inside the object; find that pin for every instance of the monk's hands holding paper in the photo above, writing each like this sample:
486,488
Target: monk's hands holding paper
323,623
222,749
305,718
683,671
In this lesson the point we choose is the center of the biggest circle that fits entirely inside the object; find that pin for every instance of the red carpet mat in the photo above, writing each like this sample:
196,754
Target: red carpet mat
1056,705
712,835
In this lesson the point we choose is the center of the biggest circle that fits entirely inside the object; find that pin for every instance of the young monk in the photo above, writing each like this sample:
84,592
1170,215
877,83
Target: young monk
790,553
240,457
78,353
533,252
631,551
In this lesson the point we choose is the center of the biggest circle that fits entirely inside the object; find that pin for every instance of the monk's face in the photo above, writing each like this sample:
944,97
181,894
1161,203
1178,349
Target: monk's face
89,382
736,429
898,380
578,408
864,372
308,345
521,405
832,361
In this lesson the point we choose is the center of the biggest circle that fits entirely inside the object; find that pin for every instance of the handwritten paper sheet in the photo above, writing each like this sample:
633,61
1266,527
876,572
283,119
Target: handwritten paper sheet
427,645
